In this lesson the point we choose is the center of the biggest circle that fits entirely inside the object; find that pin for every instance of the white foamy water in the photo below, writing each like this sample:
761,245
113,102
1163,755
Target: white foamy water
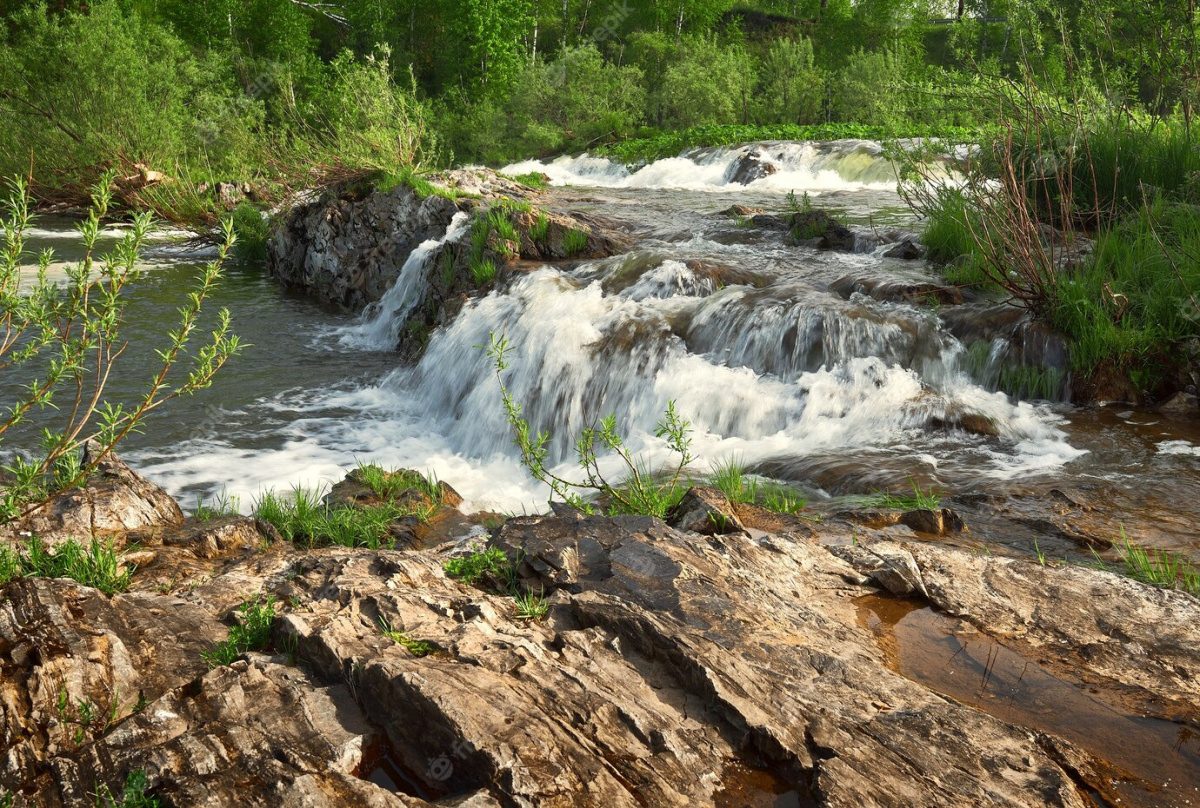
379,326
848,165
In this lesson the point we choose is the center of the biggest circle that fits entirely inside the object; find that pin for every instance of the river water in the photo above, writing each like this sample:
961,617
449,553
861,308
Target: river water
805,365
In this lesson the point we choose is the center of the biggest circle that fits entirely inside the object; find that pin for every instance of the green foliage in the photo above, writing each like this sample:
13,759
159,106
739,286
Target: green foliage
641,492
97,564
534,179
418,648
791,89
1135,296
303,518
223,505
252,231
483,271
65,340
540,228
133,795
471,568
574,241
919,500
530,606
730,477
251,633
780,500
708,83
1158,567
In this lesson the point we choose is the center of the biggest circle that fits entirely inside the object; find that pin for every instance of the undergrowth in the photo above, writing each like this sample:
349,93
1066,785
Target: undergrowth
304,519
133,795
492,565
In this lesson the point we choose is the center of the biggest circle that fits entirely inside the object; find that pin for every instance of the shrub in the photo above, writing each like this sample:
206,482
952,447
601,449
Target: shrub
708,84
66,340
252,230
791,89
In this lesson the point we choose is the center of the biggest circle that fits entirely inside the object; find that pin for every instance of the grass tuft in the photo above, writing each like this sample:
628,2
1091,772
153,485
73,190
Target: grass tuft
1158,567
418,648
575,241
133,795
919,500
252,633
730,476
530,606
471,568
305,519
98,564
483,271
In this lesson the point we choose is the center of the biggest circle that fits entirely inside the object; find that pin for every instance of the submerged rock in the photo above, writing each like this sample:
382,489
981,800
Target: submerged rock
816,228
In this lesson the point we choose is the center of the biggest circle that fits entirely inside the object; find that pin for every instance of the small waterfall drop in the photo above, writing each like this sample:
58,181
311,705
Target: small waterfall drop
379,327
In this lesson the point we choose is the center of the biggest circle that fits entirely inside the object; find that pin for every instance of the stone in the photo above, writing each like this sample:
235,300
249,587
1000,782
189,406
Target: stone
707,511
936,522
748,168
115,499
1182,403
906,251
817,228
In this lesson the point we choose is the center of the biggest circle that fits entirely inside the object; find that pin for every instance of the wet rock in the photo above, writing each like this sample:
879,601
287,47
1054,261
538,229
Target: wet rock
899,291
934,522
906,251
1181,403
115,499
816,228
707,511
749,168
745,211
1106,623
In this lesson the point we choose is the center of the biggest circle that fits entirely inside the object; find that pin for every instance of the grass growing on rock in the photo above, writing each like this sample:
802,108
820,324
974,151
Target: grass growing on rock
574,241
1158,567
483,271
919,500
252,633
391,484
418,648
133,795
305,519
97,564
494,564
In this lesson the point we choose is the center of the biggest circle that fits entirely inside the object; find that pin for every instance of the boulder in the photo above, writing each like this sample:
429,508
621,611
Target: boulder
749,168
114,500
707,511
816,228
906,251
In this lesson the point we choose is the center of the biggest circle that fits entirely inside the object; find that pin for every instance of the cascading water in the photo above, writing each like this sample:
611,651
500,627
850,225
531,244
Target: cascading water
379,327
765,350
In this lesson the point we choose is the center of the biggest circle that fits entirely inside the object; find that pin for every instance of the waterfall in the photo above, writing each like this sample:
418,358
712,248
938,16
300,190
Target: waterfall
379,327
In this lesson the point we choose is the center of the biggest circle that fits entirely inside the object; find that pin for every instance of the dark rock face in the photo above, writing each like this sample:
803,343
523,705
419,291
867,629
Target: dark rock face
905,250
348,252
748,168
817,228
707,511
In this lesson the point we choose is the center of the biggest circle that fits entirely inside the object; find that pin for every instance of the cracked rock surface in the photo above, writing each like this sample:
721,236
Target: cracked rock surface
672,669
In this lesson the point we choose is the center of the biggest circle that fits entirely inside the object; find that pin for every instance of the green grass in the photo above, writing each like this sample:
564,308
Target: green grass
502,225
304,519
530,606
483,271
252,633
223,504
480,230
449,271
919,500
575,241
781,500
391,484
471,568
540,228
1030,382
670,144
1158,567
133,795
1137,295
97,564
730,476
534,179
418,648
390,180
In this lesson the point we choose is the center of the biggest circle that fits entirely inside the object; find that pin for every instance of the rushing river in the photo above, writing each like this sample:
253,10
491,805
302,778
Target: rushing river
786,358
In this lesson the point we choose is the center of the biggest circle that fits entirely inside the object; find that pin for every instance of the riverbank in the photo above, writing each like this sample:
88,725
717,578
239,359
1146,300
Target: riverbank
563,659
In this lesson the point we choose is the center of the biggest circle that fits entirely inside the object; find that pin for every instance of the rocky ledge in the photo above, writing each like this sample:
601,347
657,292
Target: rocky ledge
667,668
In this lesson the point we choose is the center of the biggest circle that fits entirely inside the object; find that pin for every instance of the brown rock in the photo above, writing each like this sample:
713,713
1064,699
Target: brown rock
707,511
